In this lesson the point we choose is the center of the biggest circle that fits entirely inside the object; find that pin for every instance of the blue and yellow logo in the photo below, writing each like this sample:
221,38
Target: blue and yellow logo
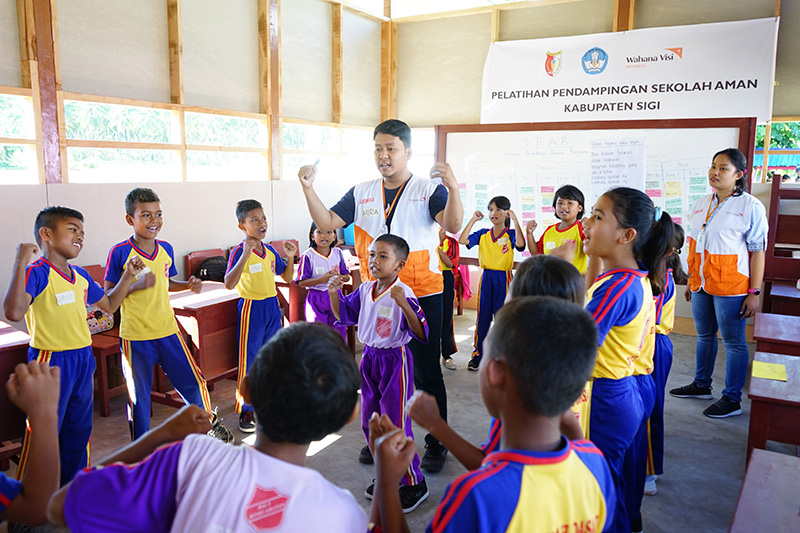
594,61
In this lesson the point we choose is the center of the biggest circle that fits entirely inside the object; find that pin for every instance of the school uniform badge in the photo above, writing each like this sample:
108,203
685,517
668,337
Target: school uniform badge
383,327
266,509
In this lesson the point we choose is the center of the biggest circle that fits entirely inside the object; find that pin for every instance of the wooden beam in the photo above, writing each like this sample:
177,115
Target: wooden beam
44,55
359,10
269,77
495,25
777,9
765,163
481,10
27,39
337,51
388,70
175,51
624,15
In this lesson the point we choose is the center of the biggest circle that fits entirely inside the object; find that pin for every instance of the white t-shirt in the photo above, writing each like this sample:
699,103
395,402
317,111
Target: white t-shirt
202,484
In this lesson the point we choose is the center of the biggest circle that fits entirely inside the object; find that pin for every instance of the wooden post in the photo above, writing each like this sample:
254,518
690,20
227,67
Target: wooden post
47,89
624,15
269,77
26,39
388,70
175,51
336,63
495,25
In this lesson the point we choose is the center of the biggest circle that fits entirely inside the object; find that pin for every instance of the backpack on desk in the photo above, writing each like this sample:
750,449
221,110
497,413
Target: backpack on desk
212,269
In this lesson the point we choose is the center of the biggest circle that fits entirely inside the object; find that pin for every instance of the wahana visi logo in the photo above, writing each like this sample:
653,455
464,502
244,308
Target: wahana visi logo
594,61
552,65
665,55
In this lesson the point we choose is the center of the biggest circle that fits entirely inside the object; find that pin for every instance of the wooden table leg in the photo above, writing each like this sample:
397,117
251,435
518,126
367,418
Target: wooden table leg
759,426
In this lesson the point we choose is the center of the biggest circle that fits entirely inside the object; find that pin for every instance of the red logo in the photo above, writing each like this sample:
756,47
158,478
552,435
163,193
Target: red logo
166,270
384,327
366,201
505,248
266,508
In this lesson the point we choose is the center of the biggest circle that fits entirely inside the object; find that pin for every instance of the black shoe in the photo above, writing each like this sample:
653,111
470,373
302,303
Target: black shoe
723,408
365,456
474,363
636,525
433,460
219,431
247,423
692,391
369,491
412,496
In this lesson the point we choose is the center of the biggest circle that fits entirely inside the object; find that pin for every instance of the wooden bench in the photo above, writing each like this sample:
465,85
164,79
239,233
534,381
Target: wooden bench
768,500
775,405
777,333
783,297
13,351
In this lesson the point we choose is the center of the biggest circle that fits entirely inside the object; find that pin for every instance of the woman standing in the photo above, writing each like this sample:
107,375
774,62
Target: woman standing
728,236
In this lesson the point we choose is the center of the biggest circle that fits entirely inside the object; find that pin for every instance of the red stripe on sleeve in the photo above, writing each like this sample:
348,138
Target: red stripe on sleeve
606,304
457,494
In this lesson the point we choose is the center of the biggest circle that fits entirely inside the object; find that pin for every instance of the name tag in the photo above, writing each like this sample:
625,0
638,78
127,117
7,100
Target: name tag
142,273
384,312
701,240
318,271
256,267
65,298
502,240
549,245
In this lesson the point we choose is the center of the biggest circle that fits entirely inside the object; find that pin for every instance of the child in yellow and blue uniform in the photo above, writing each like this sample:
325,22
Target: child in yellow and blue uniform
496,257
564,239
539,481
624,232
148,329
52,295
662,361
252,267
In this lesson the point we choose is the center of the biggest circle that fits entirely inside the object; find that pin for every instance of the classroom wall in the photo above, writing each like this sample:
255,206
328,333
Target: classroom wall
10,73
220,54
114,48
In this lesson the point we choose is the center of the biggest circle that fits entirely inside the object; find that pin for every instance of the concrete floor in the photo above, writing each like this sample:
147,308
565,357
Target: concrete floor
704,463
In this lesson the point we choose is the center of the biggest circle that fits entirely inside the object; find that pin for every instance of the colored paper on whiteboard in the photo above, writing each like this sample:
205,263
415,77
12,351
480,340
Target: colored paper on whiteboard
677,220
548,188
698,180
527,190
653,193
672,188
674,203
773,371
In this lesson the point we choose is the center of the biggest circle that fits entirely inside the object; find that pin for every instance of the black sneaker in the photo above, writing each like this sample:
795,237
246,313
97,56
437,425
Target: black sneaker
692,391
434,457
370,491
723,408
218,431
412,496
365,456
247,423
474,363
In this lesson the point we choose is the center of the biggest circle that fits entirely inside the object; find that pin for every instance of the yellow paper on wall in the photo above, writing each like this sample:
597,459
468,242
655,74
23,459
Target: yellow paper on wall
769,371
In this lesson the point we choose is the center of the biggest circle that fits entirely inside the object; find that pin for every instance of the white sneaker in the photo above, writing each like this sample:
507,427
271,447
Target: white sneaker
650,486
449,363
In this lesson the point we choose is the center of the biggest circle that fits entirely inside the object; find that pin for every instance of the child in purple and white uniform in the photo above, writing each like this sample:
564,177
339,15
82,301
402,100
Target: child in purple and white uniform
388,316
318,265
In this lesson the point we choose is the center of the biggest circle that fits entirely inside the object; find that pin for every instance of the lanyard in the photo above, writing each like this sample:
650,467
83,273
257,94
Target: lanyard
388,210
710,211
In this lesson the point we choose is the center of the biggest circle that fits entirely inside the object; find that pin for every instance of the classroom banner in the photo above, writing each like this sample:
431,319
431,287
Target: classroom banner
716,70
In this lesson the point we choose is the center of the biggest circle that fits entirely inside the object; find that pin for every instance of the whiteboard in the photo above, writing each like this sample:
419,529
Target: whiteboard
669,164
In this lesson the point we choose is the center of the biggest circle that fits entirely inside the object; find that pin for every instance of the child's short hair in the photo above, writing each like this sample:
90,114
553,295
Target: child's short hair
550,347
303,384
245,206
548,275
398,243
49,216
139,195
313,244
569,192
395,127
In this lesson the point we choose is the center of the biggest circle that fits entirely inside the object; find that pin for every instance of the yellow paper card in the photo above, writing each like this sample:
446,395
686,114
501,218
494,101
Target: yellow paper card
769,371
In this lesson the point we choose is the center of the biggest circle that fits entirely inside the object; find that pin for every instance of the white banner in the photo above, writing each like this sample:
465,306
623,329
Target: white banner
717,70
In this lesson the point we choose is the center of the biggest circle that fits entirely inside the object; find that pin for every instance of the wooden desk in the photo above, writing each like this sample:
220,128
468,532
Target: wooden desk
777,333
783,298
13,351
296,306
769,499
209,319
775,405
